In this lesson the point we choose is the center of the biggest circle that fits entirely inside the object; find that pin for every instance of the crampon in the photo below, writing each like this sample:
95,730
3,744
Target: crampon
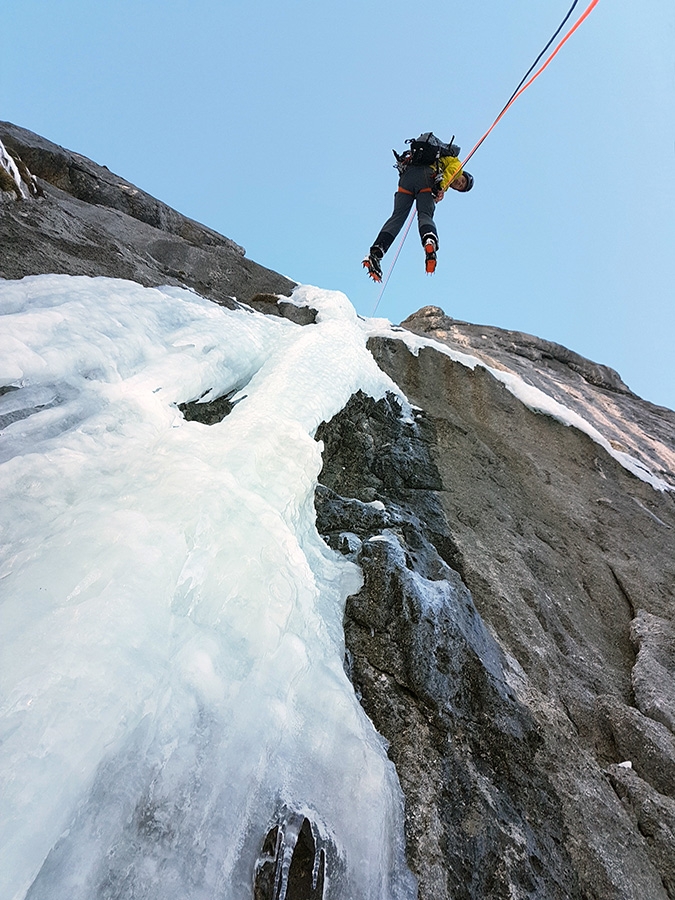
430,257
372,264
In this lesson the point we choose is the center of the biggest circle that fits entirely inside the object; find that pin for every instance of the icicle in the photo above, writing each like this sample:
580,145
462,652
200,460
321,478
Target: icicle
289,833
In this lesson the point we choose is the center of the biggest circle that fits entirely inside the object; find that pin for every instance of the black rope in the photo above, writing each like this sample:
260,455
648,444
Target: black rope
534,64
529,71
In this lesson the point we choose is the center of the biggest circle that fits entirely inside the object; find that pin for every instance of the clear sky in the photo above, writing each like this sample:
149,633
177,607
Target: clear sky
274,123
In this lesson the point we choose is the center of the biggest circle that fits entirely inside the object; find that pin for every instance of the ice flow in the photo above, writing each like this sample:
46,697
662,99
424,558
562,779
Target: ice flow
171,674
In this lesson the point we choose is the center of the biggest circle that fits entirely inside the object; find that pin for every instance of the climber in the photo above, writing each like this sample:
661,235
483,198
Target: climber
426,170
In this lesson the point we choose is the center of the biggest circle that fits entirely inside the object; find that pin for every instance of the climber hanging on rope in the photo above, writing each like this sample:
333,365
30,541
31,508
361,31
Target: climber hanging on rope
426,170
423,191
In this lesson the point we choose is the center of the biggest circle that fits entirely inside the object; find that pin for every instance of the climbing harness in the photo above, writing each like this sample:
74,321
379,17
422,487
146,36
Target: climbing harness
524,84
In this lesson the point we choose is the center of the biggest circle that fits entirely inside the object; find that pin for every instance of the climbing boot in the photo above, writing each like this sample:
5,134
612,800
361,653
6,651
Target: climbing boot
372,263
430,247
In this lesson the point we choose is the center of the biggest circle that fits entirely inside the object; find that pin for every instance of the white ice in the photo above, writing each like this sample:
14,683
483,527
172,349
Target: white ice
10,166
171,672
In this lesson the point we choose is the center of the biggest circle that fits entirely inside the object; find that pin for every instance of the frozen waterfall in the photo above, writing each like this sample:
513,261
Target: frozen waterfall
171,674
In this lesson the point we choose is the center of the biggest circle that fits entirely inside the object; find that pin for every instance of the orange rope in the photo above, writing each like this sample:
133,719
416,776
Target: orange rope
536,75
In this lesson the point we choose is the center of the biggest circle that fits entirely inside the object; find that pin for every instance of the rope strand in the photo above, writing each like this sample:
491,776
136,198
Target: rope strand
534,64
391,267
520,90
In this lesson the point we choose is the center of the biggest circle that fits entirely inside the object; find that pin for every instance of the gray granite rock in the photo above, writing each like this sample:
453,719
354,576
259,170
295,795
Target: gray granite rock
653,674
595,391
92,222
653,815
503,744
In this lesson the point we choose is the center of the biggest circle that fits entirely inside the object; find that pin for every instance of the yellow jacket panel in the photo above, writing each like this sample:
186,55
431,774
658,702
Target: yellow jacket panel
449,166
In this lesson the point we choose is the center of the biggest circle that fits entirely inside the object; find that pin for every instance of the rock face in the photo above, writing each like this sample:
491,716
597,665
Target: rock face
513,637
88,221
292,864
596,392
513,640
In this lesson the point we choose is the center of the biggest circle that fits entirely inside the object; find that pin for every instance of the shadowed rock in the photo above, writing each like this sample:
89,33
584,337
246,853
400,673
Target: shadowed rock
210,412
271,305
653,674
291,865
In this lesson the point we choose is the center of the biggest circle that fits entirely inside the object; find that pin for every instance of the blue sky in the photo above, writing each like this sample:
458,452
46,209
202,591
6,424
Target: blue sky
274,124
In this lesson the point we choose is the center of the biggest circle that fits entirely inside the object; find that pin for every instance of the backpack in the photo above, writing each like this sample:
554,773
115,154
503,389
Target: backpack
426,149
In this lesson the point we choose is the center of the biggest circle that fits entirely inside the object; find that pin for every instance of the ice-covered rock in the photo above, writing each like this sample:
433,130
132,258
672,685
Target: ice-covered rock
183,701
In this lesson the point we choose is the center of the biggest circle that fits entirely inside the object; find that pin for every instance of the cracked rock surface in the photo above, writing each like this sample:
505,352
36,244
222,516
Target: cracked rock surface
513,637
90,221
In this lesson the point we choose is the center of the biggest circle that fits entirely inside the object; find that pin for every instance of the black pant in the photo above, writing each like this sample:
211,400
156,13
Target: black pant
415,184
